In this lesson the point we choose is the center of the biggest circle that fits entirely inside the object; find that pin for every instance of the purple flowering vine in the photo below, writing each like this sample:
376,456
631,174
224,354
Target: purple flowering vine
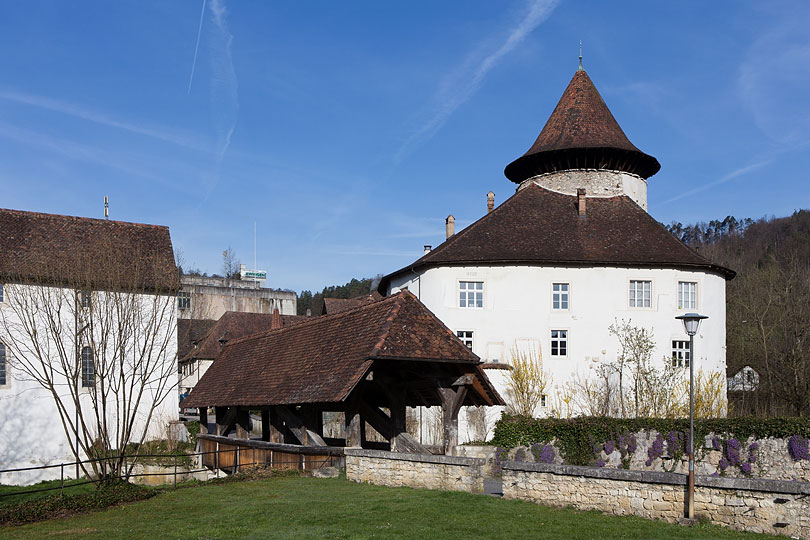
798,448
656,450
610,446
546,454
733,447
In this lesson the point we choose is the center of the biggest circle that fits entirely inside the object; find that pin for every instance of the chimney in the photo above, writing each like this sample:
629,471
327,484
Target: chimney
581,201
450,226
309,312
428,247
275,320
490,202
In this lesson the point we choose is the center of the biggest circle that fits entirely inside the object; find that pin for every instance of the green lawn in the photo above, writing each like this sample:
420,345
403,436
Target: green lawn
295,507
71,487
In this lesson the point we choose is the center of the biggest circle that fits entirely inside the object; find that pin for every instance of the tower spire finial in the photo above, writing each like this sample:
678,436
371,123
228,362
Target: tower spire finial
580,68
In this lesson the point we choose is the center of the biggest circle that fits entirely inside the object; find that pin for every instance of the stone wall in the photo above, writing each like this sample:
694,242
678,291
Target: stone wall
770,506
415,470
763,458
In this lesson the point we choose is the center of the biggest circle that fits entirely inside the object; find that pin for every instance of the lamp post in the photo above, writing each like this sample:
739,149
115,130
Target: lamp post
691,323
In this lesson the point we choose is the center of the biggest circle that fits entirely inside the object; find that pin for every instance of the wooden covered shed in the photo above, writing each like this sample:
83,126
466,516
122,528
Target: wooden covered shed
370,363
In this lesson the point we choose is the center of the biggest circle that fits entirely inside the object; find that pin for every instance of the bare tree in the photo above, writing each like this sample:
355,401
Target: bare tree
99,336
230,264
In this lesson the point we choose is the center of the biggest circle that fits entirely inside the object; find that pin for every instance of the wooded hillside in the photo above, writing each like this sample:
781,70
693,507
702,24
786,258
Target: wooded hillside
314,302
768,305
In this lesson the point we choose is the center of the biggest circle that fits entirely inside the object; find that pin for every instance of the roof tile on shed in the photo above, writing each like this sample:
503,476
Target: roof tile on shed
322,359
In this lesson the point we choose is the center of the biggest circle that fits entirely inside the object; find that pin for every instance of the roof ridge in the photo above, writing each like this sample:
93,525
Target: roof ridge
81,218
314,320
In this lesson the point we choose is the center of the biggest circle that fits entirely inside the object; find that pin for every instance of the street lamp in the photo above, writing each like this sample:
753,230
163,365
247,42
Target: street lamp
691,323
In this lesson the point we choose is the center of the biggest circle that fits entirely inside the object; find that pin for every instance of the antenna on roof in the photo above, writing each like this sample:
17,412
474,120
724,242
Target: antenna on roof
106,207
580,68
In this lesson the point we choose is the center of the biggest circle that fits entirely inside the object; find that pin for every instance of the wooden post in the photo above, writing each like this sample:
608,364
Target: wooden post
219,414
203,419
452,399
242,423
354,437
265,424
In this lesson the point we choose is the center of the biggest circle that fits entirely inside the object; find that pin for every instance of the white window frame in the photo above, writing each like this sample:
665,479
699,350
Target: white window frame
185,296
475,291
466,337
681,355
560,339
631,291
2,294
543,400
564,296
682,294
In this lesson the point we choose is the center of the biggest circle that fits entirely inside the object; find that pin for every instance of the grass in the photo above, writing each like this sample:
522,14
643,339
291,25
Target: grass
296,507
71,488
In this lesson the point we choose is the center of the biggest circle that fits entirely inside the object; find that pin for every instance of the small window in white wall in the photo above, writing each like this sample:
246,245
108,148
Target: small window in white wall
543,400
3,367
559,296
184,300
559,343
471,294
85,299
88,368
2,297
466,337
680,353
687,295
640,293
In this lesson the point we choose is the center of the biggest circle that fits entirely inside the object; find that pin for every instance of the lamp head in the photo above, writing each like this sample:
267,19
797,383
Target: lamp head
691,322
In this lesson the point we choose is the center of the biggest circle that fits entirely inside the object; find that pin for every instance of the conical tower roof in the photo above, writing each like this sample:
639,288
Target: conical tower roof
581,134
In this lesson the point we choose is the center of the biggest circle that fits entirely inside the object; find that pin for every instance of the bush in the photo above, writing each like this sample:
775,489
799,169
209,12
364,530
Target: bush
573,436
109,494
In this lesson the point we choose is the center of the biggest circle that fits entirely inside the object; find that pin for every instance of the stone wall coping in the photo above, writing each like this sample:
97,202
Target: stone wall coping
422,458
658,477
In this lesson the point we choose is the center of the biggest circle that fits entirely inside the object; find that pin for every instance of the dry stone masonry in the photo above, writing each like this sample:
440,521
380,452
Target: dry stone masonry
415,470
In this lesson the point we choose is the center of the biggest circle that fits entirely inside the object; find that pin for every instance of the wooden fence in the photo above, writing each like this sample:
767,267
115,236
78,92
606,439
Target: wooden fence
234,455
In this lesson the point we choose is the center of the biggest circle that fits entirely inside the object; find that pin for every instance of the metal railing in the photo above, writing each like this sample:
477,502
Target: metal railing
234,465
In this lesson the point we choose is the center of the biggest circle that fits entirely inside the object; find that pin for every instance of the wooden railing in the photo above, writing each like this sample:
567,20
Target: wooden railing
234,455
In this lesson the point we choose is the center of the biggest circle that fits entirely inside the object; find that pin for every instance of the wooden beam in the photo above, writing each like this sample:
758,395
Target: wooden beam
203,419
405,442
242,423
305,436
266,425
378,419
226,418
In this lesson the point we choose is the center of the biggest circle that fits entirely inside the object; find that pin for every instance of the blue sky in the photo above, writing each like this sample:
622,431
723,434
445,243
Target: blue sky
349,131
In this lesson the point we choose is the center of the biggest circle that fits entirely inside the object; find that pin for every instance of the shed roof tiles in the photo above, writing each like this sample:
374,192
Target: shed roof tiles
322,359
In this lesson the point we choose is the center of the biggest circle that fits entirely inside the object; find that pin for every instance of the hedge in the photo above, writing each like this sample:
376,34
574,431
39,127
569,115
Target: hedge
575,436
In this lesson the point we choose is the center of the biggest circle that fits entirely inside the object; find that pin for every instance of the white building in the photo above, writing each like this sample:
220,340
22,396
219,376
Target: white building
87,314
570,253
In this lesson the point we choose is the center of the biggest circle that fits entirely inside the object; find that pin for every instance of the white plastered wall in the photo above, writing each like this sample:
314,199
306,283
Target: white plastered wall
31,431
518,311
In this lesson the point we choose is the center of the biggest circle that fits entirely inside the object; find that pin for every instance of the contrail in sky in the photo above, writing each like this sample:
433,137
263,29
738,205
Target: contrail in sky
196,48
460,84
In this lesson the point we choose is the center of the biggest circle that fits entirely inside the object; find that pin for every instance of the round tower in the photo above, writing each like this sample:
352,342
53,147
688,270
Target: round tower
582,146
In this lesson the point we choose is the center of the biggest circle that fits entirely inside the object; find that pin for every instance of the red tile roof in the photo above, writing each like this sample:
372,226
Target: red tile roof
321,360
581,134
191,331
541,227
233,325
92,253
336,305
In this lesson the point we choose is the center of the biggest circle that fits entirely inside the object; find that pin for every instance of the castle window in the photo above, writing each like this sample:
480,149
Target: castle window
687,295
680,353
1,292
88,368
559,343
471,294
183,300
2,365
640,293
559,296
85,298
543,400
466,337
